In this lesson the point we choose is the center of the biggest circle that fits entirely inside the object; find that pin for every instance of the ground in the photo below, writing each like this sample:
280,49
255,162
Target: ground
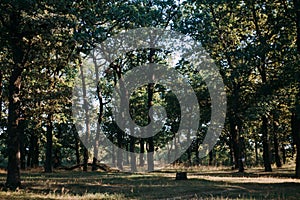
202,183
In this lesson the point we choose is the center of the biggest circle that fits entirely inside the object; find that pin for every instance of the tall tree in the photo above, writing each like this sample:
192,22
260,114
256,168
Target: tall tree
296,113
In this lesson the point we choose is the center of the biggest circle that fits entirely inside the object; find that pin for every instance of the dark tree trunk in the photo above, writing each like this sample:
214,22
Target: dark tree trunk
142,151
256,152
150,152
231,152
283,154
77,145
296,114
261,67
276,146
1,98
49,144
85,159
296,140
96,147
241,154
234,143
127,145
87,120
100,116
211,158
132,157
57,149
29,155
150,91
197,159
22,146
33,154
119,150
266,145
13,141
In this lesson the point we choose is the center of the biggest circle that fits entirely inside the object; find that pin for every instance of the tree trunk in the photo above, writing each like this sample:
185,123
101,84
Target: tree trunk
33,155
22,145
211,158
256,152
142,151
57,149
150,91
119,150
234,143
197,158
241,154
296,140
13,141
77,145
1,97
296,113
100,116
283,154
132,157
96,147
266,145
276,145
87,120
49,145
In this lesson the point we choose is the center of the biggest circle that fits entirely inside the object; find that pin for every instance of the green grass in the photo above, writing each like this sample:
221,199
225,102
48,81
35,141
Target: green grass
203,183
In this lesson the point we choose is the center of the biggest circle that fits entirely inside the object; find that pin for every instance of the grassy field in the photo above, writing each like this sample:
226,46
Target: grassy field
202,183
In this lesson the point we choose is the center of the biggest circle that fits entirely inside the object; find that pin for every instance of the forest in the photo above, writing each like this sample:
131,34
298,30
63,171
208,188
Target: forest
64,63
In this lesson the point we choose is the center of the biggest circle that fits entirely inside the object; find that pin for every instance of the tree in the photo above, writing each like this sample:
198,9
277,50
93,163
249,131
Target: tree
28,39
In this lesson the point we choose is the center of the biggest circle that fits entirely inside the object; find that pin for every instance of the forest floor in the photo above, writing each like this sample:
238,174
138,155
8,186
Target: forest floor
202,183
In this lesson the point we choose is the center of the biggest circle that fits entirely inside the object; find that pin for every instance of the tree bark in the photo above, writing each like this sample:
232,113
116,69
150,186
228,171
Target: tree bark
296,113
87,120
100,116
283,154
77,145
256,152
234,143
13,141
150,141
266,145
49,144
211,158
142,151
132,157
276,144
241,150
119,150
22,145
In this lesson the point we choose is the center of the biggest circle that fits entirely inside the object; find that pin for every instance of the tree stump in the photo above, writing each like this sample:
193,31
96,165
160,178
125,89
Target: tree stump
181,176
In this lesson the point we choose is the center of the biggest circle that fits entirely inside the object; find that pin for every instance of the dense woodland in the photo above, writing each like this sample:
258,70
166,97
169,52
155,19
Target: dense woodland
44,47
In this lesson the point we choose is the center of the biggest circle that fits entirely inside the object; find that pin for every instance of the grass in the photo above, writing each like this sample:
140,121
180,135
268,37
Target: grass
203,183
